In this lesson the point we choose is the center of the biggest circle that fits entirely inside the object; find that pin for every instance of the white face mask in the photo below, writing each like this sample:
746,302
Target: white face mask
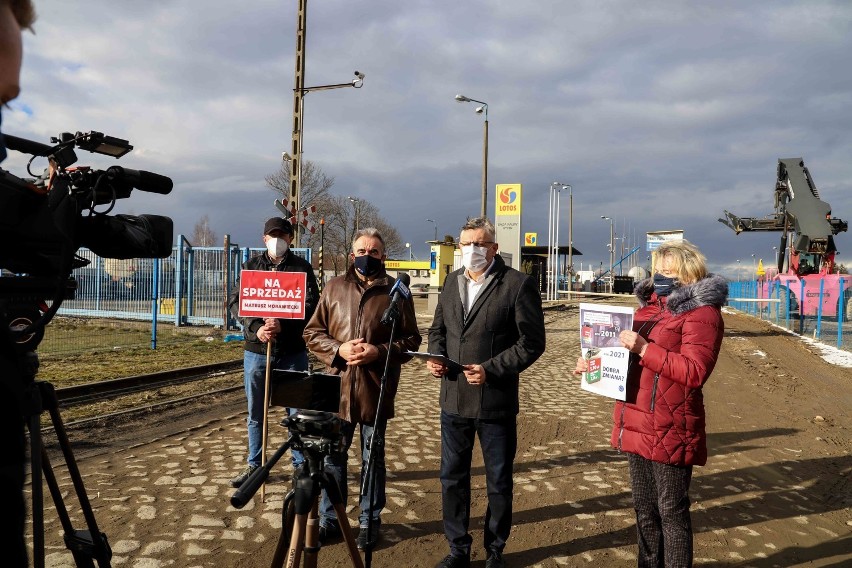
473,258
277,247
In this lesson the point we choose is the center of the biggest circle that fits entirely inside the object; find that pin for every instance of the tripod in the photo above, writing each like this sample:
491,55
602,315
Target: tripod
86,546
316,435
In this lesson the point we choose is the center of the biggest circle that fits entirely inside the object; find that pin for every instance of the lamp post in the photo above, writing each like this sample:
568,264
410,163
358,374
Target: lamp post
570,238
611,249
355,202
753,267
553,241
621,256
299,92
480,110
408,246
436,228
738,270
321,262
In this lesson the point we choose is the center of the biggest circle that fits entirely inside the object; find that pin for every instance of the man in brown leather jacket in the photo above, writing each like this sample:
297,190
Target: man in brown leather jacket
346,334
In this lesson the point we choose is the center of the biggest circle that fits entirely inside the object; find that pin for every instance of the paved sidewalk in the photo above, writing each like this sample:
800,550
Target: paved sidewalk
166,502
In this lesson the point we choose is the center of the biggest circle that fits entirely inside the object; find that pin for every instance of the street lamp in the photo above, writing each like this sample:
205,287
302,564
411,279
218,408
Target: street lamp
408,246
738,270
753,267
553,241
570,237
480,110
355,202
436,228
611,250
299,92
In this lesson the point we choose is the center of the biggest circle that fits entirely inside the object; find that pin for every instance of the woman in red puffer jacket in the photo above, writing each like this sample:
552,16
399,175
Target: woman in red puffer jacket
676,337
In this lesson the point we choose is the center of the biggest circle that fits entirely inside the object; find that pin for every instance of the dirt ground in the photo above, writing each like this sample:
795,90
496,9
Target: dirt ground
775,492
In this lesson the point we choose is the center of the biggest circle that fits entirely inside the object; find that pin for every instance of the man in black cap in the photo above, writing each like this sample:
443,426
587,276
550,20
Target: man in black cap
288,347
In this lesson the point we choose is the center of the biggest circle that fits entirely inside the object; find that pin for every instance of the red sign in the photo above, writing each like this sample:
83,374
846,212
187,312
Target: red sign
265,294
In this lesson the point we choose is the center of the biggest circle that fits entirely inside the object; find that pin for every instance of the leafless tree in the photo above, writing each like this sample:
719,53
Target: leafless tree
339,214
202,234
314,190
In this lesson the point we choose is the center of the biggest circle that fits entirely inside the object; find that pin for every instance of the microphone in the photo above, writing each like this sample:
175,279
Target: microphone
142,180
397,293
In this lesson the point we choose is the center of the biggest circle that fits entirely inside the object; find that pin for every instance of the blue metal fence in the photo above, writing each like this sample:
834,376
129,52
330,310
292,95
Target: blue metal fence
778,305
190,287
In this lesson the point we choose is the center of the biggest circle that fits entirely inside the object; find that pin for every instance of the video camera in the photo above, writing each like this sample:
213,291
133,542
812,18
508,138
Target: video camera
43,221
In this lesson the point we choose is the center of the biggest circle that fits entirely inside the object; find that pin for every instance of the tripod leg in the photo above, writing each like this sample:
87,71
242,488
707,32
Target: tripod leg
297,541
91,543
331,487
303,497
34,426
312,536
288,515
347,536
81,559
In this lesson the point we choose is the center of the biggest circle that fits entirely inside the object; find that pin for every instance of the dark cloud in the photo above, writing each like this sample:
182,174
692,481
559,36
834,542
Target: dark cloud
659,114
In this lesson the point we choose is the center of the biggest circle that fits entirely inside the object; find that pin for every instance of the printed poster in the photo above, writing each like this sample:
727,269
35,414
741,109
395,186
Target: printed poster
271,294
599,344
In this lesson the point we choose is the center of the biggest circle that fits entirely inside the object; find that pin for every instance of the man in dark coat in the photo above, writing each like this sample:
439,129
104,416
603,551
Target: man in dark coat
489,320
288,347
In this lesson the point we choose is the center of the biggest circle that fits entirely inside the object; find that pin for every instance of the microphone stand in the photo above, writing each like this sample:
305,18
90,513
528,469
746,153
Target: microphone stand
377,440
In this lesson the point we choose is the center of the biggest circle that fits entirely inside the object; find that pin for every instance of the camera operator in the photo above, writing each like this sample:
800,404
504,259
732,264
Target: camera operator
15,15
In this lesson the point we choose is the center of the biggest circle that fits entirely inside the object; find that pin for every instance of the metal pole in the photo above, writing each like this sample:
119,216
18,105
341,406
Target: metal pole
549,240
549,237
322,256
436,227
226,281
298,94
556,247
485,166
155,297
611,255
570,240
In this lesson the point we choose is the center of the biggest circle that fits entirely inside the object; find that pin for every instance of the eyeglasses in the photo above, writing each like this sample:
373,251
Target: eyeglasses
476,244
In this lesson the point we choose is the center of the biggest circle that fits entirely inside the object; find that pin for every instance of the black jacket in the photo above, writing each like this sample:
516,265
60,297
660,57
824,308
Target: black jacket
290,340
503,332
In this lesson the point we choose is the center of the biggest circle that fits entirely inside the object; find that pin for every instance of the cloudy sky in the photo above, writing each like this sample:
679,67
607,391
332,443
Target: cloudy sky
659,114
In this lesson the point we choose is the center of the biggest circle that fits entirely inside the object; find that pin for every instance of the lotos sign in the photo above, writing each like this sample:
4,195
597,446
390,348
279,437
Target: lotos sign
265,294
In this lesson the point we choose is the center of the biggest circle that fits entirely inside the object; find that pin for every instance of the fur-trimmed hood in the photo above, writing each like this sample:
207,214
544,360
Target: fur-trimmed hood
711,290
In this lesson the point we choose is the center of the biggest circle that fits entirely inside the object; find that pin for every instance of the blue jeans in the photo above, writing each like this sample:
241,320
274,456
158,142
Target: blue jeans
254,367
499,442
335,465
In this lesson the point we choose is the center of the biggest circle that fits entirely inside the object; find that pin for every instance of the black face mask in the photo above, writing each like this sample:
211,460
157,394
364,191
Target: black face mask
368,265
663,285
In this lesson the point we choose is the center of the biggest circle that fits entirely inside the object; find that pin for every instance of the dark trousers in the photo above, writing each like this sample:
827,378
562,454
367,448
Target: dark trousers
335,464
661,501
499,442
13,462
